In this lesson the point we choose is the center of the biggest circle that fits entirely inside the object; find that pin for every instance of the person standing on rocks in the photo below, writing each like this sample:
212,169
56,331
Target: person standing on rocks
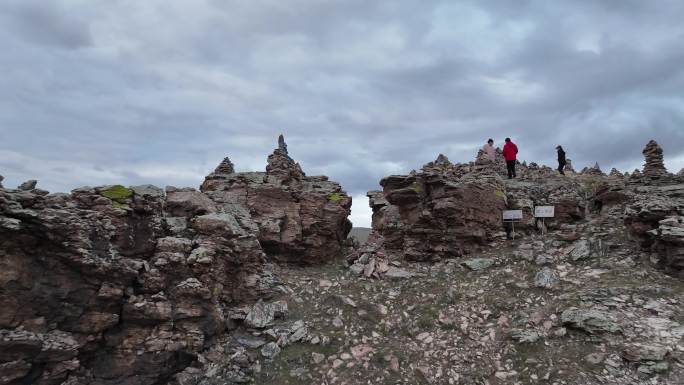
510,153
489,150
561,159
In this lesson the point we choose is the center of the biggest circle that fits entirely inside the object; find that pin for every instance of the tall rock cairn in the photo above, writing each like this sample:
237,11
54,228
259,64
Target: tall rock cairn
568,165
280,164
654,167
225,167
282,146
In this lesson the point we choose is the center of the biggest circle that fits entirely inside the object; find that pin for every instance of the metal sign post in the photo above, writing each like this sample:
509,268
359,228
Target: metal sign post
512,216
544,212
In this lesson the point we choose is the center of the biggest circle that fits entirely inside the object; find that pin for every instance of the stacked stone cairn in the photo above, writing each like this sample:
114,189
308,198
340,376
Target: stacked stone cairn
654,167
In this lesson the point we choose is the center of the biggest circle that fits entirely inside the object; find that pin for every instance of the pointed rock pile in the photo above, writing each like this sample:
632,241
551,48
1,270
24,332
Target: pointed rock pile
282,146
615,173
654,167
279,163
442,163
225,167
594,170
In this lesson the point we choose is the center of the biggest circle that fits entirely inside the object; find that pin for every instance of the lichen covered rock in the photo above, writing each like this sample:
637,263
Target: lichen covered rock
93,289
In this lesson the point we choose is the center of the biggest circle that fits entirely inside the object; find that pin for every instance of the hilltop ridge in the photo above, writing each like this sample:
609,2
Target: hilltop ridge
250,279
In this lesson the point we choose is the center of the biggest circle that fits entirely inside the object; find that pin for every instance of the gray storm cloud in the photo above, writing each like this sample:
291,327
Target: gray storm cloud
160,91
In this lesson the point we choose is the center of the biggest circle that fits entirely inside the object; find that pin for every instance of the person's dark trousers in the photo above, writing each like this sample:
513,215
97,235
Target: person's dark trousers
510,165
561,167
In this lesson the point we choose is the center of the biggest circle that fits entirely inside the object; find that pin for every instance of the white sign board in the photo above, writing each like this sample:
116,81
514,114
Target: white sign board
544,211
512,215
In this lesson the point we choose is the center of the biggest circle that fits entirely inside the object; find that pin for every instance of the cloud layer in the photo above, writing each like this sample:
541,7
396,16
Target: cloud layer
160,91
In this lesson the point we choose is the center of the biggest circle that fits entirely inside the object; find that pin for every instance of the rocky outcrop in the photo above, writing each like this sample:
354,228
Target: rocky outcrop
566,195
654,210
28,185
301,219
116,285
436,213
449,210
654,219
130,285
670,243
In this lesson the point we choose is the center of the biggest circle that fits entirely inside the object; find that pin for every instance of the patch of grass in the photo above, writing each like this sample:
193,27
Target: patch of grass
336,197
117,193
448,327
416,187
216,292
118,205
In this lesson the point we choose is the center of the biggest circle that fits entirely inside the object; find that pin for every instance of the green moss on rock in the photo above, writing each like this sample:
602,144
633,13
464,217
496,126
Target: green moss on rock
118,205
117,193
336,197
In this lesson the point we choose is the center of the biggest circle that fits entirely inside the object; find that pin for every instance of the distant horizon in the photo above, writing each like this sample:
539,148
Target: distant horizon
361,213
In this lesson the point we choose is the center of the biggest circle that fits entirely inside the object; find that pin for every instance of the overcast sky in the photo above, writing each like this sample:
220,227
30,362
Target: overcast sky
159,91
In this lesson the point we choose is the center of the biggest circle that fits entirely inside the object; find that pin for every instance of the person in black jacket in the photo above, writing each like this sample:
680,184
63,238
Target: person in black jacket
561,159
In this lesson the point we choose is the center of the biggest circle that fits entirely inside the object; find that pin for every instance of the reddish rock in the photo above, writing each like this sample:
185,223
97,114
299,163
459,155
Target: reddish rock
107,281
435,213
300,218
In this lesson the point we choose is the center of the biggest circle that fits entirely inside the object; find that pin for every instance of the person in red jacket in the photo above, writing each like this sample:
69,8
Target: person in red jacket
510,152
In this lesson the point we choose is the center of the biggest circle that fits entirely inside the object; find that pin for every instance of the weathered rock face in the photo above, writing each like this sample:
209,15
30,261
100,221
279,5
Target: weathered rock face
566,195
654,219
432,214
670,243
654,209
448,210
654,166
300,218
116,285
